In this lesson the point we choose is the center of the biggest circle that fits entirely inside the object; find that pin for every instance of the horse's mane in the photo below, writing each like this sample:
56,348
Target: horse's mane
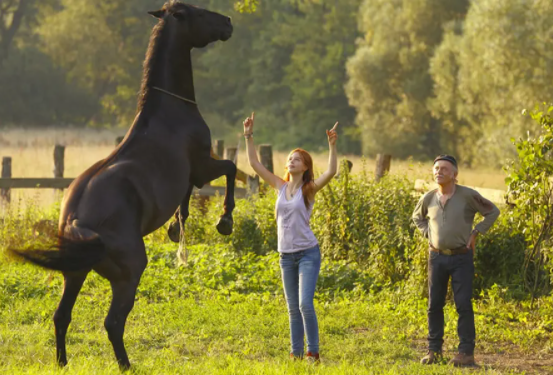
153,52
149,63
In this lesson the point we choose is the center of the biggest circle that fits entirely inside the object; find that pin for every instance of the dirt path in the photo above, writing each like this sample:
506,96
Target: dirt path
511,359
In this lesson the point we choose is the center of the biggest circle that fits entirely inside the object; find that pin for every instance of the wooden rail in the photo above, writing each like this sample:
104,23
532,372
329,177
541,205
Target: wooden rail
63,183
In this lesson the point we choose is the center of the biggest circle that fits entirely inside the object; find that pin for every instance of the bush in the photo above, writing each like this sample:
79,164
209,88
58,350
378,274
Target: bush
364,230
367,222
531,192
254,224
363,225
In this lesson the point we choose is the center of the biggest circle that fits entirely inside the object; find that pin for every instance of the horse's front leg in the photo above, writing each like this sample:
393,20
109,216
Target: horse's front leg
180,217
217,168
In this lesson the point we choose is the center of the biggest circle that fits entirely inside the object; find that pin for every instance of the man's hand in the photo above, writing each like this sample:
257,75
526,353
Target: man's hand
472,241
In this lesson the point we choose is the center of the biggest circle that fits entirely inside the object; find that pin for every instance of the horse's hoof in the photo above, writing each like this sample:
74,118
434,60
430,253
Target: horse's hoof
125,366
225,225
174,231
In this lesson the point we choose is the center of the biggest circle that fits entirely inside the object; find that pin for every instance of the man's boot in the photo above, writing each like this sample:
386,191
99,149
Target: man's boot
462,360
431,357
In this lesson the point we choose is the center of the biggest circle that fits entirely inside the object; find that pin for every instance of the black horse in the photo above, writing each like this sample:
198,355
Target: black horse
109,208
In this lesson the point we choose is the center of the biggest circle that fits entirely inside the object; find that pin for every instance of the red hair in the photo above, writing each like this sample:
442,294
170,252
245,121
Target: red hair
308,187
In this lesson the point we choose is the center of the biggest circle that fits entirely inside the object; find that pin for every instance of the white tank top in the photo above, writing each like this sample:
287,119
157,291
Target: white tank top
294,233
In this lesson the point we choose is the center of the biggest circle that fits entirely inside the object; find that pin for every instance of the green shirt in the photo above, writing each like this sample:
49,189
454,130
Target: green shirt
450,226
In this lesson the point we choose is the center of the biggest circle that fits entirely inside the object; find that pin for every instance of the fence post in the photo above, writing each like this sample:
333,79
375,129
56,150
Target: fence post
59,161
383,163
6,173
266,155
220,148
119,140
231,154
253,185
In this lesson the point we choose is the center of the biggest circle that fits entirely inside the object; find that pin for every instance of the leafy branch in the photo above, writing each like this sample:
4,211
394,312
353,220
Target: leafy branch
246,6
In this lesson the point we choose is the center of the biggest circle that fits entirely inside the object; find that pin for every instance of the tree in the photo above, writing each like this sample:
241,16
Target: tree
33,91
268,67
12,13
503,62
446,104
101,45
389,81
323,38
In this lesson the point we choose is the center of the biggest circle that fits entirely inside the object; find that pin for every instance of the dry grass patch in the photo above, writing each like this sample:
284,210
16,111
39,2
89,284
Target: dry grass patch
32,156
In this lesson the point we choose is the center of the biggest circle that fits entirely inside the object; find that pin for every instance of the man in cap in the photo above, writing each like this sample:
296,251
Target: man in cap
445,216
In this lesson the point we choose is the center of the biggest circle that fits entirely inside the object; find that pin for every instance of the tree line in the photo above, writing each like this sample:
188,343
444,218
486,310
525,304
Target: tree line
406,77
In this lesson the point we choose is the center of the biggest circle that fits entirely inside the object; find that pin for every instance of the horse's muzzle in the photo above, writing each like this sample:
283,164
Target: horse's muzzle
225,35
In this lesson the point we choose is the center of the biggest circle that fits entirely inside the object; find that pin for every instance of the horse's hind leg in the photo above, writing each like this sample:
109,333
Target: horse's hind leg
181,215
72,286
123,286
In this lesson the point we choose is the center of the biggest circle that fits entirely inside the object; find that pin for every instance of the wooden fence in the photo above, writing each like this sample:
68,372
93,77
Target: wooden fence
8,182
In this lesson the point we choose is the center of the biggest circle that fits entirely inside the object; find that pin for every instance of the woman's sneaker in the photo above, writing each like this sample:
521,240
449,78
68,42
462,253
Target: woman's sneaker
295,357
313,358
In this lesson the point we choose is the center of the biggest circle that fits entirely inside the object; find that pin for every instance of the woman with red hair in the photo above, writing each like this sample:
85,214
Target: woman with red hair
300,256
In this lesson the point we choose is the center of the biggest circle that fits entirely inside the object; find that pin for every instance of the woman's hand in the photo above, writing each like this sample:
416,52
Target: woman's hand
248,124
332,135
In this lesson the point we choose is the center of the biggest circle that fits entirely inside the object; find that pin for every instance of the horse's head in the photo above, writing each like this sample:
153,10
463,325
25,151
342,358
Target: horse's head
197,26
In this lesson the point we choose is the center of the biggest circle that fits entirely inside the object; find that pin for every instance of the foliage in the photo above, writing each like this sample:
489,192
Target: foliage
254,228
99,48
15,15
101,45
368,223
494,62
388,77
248,6
363,224
34,91
422,76
531,188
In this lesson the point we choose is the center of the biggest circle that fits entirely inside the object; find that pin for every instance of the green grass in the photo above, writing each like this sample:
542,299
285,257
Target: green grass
193,320
225,313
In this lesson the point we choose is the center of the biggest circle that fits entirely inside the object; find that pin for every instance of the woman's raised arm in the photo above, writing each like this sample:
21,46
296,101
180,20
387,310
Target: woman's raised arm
266,175
332,160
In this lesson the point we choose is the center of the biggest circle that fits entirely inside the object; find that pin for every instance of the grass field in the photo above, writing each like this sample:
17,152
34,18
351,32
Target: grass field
182,325
225,313
32,156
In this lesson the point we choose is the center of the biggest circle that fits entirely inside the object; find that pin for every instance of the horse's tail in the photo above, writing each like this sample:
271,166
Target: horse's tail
77,249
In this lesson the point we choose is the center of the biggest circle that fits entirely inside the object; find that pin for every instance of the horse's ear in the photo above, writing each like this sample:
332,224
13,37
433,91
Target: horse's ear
157,13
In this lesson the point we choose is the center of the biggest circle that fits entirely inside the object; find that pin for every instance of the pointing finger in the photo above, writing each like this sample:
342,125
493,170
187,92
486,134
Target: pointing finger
335,125
253,114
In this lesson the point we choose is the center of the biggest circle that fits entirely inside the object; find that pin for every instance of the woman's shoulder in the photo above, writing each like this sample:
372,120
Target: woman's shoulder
282,187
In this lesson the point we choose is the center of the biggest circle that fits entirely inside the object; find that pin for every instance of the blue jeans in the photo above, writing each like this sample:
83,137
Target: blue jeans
300,271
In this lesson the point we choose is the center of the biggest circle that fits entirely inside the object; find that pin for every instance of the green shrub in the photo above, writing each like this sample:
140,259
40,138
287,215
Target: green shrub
530,190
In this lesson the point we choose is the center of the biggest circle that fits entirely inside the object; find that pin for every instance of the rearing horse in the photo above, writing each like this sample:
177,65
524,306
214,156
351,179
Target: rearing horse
109,208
